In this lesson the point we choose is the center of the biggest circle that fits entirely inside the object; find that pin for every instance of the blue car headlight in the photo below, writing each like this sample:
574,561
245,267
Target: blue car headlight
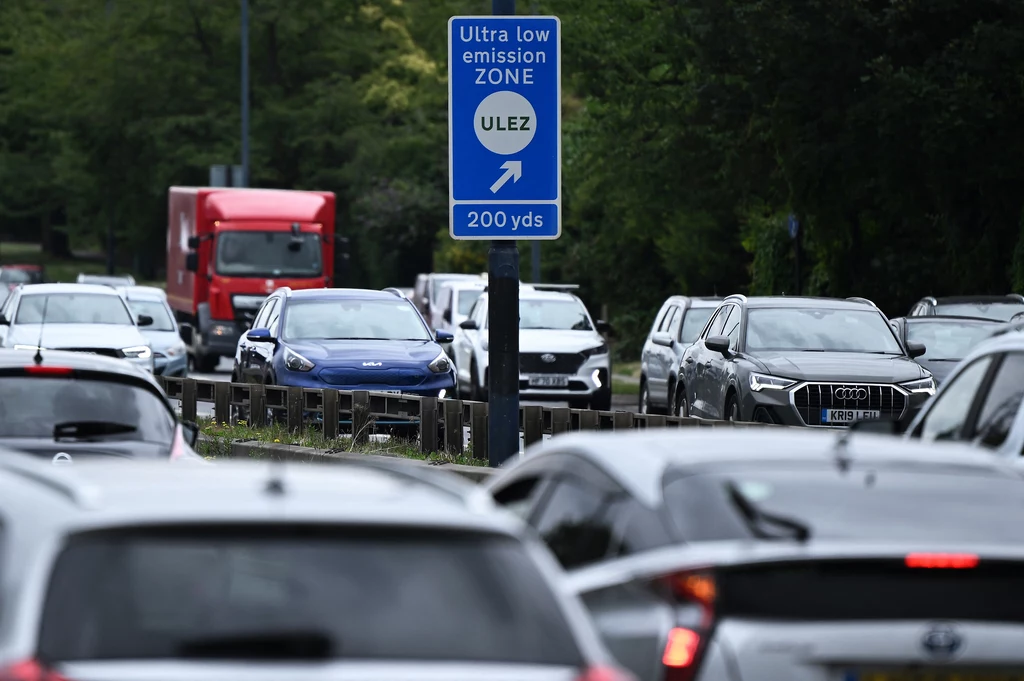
440,364
296,362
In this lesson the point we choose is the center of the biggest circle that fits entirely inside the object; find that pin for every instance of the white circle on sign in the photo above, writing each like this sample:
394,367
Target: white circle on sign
505,122
62,458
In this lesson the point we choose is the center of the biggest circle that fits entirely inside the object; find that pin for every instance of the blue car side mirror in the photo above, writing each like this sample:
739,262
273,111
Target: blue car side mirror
444,336
260,336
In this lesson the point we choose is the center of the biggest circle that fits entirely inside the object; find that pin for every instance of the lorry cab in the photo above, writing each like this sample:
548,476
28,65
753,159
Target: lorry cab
230,248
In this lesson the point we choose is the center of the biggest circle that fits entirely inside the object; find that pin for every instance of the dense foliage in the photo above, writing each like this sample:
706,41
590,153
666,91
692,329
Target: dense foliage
691,129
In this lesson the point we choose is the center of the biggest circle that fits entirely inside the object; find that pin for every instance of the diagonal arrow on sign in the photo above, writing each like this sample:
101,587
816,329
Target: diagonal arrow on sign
513,171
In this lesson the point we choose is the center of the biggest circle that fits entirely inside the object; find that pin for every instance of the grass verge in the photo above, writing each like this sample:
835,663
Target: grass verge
620,387
222,435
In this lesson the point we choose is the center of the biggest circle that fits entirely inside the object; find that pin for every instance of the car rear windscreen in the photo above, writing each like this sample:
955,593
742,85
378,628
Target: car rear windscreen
356,593
82,409
918,503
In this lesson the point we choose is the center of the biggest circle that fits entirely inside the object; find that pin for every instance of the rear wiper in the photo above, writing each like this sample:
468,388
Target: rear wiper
755,518
70,430
271,645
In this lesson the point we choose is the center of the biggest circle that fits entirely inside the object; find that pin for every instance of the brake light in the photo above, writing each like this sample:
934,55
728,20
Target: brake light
942,560
685,645
29,670
40,370
681,647
599,674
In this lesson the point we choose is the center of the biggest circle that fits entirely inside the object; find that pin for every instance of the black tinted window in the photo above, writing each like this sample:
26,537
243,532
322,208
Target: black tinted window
32,406
637,528
574,523
1000,405
372,595
934,504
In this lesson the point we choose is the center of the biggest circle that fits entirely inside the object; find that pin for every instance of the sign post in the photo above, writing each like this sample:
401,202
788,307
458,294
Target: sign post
793,224
505,173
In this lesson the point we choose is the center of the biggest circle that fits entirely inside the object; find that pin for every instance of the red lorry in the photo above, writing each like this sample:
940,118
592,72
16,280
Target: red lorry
229,248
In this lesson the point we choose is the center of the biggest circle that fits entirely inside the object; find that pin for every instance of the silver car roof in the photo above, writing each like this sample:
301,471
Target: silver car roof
99,289
100,493
638,460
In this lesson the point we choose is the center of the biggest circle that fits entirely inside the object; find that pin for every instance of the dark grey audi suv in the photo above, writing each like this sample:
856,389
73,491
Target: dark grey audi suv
822,362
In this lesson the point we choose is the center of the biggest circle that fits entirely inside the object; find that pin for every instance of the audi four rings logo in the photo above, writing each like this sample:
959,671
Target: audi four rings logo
850,393
549,358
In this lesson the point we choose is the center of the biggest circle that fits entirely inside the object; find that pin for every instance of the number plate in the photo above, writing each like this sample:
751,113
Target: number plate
931,675
390,392
843,417
549,381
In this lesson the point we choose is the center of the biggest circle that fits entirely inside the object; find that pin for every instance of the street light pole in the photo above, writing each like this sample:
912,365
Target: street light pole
503,334
245,93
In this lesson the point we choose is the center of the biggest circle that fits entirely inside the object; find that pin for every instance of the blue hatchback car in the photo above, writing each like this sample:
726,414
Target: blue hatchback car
350,339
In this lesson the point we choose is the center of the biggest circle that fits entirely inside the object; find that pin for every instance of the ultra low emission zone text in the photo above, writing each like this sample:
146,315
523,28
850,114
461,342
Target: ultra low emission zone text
495,55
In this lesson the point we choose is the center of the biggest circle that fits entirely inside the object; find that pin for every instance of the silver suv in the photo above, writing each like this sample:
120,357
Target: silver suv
354,571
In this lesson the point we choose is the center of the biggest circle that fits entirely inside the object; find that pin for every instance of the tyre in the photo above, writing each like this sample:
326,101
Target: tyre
680,405
644,402
732,408
476,394
204,364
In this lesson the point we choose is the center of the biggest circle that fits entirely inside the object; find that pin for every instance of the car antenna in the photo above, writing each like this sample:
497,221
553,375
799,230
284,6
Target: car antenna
38,359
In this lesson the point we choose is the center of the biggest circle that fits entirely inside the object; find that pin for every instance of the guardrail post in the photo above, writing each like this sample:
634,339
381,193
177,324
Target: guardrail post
453,438
221,402
655,421
360,416
257,405
428,425
622,420
478,429
533,424
294,413
560,420
189,409
589,419
329,400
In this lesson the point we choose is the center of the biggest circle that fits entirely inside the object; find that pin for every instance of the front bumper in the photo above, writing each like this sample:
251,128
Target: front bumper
221,337
170,366
802,405
431,385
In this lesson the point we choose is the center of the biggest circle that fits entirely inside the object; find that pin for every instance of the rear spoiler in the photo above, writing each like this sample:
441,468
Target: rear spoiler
671,559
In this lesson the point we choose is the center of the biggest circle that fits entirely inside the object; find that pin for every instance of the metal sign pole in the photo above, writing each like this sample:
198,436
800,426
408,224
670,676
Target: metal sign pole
505,177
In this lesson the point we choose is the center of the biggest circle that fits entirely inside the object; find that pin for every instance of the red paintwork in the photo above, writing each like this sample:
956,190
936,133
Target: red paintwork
195,211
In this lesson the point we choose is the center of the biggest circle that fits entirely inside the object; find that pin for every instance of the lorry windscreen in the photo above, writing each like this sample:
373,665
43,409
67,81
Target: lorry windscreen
267,254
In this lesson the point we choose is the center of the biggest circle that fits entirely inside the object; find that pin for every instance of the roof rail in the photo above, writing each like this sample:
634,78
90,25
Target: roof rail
736,296
930,300
395,291
1016,296
73,493
556,287
1011,326
866,301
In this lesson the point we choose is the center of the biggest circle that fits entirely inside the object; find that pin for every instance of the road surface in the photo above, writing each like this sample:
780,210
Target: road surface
223,373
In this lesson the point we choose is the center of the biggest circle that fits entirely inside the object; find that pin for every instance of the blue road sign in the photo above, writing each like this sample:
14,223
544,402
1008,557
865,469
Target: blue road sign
505,127
794,226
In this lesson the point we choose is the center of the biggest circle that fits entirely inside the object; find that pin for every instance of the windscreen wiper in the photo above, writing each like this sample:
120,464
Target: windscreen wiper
71,430
756,518
270,645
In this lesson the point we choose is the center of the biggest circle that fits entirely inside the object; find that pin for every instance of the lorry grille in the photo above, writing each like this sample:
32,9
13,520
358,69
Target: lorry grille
398,378
810,399
533,363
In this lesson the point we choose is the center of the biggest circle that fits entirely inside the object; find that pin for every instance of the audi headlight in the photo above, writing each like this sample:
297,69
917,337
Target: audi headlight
33,348
759,382
137,352
296,362
175,350
923,386
440,364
